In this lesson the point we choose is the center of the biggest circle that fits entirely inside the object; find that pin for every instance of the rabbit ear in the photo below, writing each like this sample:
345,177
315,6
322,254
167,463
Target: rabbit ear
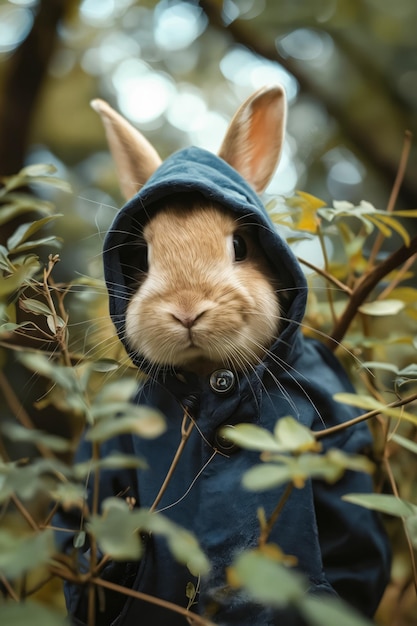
133,155
254,139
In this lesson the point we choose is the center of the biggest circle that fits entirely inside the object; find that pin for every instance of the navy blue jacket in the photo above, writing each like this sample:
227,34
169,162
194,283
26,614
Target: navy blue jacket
341,548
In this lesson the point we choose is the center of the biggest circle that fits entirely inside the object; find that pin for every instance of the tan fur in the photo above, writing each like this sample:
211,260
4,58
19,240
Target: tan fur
198,308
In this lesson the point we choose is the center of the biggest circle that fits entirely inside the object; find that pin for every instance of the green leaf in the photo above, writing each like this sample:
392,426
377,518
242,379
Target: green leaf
15,432
380,308
266,579
251,437
52,242
35,306
140,420
24,231
19,555
183,545
383,503
353,462
28,481
15,281
38,173
55,322
21,206
105,365
388,367
289,436
369,403
410,371
116,531
30,613
62,375
112,461
38,169
9,327
294,437
405,443
411,523
329,467
328,611
267,476
116,392
69,494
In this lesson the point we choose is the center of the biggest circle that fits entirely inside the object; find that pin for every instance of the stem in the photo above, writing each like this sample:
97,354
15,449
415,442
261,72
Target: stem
407,534
24,512
399,277
185,435
93,543
9,588
192,617
326,266
266,531
20,414
329,277
361,418
59,331
394,193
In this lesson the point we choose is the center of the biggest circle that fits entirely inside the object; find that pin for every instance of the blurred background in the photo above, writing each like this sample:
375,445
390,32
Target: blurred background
179,69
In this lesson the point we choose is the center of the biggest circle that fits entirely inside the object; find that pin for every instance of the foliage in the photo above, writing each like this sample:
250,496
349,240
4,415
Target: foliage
348,71
92,389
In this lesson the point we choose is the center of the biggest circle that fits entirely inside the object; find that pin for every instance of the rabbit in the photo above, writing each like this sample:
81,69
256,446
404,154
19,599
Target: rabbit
208,300
218,307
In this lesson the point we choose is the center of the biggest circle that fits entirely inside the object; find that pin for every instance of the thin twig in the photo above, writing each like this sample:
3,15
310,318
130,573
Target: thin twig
398,278
185,434
266,531
59,330
20,413
394,192
9,588
24,512
329,277
361,418
193,617
407,534
93,543
326,267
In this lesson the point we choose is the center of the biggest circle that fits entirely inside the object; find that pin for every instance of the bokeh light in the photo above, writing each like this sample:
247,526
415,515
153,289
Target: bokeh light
15,25
178,25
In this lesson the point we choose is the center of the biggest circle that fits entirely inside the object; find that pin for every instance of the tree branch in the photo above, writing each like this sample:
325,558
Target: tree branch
365,286
26,71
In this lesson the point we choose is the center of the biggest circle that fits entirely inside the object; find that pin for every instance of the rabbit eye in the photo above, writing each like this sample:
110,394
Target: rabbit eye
239,247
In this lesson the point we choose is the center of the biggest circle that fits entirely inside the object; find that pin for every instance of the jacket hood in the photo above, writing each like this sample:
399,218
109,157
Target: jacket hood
194,170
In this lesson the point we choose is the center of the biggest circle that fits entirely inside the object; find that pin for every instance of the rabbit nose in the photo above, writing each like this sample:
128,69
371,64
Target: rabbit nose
186,319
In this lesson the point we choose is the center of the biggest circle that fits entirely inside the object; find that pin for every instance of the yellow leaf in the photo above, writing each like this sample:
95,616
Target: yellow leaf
406,294
311,201
308,206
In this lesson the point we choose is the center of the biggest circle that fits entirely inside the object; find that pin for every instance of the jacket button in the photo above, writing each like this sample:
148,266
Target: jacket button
223,444
222,381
